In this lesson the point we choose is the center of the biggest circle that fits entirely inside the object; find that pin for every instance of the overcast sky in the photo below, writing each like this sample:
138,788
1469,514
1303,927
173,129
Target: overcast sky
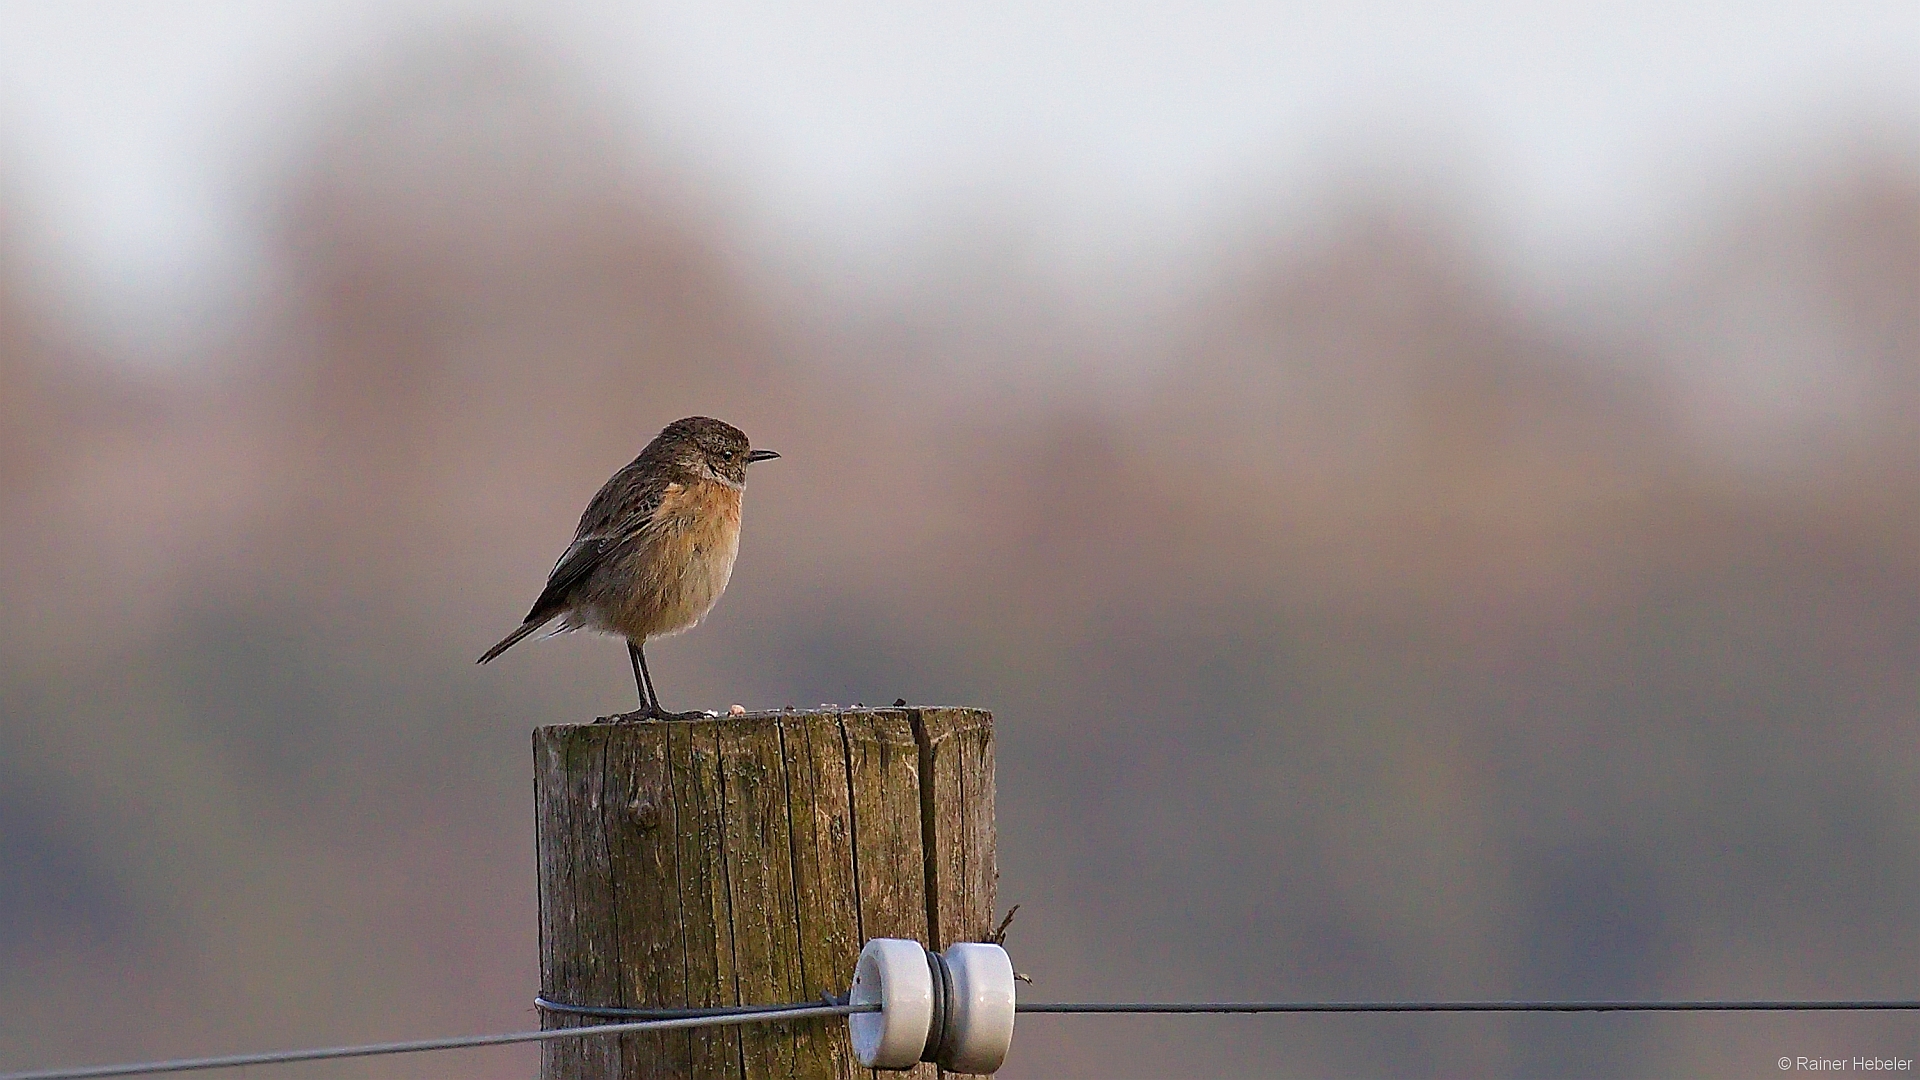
137,138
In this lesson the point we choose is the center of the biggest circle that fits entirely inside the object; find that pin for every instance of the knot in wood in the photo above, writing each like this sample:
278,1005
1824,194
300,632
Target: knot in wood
644,813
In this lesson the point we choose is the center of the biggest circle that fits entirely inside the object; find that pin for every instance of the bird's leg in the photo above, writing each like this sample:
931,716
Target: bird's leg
648,703
650,698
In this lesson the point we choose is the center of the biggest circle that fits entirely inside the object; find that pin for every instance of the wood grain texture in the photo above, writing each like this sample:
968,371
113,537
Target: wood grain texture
826,902
705,929
958,760
745,860
642,862
956,753
576,900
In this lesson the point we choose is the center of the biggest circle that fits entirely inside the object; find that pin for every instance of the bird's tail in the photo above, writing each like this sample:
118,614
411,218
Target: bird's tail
513,639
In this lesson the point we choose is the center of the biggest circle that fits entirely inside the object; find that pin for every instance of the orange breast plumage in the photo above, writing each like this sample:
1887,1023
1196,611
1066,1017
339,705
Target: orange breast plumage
677,575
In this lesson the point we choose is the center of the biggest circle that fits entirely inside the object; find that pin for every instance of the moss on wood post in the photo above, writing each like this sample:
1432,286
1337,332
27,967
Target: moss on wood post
744,860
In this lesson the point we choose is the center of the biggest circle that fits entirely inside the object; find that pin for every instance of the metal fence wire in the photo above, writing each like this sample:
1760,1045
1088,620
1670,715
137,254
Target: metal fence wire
632,1021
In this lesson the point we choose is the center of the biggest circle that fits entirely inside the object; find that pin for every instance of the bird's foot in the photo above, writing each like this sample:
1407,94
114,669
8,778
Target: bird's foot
658,713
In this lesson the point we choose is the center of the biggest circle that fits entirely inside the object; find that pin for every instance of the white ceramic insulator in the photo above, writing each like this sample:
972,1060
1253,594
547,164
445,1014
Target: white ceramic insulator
892,973
980,1018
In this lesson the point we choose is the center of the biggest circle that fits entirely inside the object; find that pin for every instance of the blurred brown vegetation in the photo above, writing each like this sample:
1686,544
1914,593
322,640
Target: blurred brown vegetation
1393,640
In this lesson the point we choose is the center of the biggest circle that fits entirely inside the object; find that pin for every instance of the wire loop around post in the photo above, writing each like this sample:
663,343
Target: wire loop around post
607,1012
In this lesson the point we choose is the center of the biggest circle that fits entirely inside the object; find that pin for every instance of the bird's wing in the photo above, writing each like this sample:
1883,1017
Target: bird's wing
581,557
619,515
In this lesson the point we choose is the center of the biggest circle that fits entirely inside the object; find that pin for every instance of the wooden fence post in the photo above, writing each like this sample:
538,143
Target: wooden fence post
744,861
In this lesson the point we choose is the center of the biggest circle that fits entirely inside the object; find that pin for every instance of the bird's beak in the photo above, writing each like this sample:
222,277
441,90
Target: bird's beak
761,455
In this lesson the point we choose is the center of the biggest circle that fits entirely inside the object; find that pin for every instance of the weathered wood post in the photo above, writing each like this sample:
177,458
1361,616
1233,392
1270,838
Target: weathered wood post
744,861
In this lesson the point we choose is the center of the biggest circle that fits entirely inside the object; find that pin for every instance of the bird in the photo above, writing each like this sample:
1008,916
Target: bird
655,547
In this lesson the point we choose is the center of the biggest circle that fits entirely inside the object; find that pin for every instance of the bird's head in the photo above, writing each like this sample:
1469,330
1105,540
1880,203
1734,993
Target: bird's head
712,449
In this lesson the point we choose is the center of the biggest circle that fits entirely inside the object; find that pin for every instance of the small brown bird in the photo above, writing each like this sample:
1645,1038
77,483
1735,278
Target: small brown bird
655,547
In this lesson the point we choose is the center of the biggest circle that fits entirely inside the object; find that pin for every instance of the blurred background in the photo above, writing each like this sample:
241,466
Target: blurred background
1432,496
